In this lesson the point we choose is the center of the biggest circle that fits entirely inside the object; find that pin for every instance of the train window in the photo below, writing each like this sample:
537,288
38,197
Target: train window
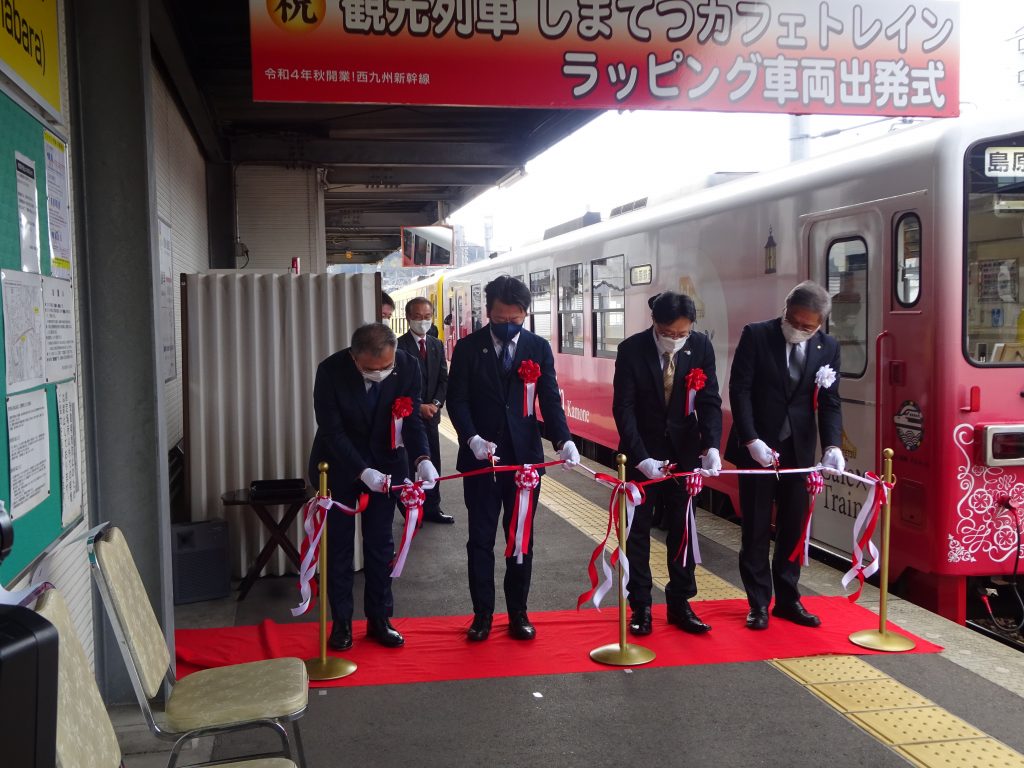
540,303
848,287
907,263
476,305
608,297
570,309
994,252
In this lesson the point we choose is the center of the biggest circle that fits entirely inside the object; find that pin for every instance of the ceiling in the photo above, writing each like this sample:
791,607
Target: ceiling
384,166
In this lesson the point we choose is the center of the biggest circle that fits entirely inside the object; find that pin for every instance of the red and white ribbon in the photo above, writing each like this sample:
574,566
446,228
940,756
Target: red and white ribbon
694,484
518,539
802,551
601,585
412,498
314,517
401,408
529,372
695,381
863,528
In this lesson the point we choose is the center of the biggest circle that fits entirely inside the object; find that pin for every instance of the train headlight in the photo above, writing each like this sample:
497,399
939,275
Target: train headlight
1003,445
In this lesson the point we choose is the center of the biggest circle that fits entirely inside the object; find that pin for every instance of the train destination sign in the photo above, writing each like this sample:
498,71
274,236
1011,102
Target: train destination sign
799,56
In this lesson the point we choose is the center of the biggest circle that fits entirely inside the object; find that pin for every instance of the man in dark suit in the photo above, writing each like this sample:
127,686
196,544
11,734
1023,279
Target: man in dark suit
771,391
353,396
486,405
418,343
649,403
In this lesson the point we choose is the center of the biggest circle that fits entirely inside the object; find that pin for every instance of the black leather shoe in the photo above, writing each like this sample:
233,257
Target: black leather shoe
480,629
757,618
797,614
640,623
341,636
519,626
438,517
683,617
385,634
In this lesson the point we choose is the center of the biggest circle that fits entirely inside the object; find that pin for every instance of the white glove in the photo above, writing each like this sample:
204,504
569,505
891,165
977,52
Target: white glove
482,449
762,454
652,469
569,454
375,481
426,473
711,462
833,459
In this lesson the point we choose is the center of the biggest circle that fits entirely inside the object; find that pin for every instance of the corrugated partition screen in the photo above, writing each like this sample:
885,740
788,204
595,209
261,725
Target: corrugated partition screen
253,345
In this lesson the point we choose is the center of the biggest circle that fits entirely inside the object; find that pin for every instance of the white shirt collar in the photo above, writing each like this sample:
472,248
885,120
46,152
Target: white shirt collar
498,343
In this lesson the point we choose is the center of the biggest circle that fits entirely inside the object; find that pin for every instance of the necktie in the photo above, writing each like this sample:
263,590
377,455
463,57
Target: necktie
373,395
423,349
796,365
668,375
506,357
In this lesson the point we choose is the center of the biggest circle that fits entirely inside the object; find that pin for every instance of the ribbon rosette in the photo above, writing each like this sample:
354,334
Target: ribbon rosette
401,408
529,372
634,496
412,498
815,484
863,528
518,538
694,484
695,381
823,379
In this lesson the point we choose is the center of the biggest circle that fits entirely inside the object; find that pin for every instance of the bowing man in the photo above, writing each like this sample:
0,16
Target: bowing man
771,391
418,343
487,404
657,429
353,397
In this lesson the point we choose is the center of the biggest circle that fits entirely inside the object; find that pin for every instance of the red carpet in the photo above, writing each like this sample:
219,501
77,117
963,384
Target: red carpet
436,648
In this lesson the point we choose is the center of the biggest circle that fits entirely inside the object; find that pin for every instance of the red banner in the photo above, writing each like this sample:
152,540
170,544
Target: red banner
799,56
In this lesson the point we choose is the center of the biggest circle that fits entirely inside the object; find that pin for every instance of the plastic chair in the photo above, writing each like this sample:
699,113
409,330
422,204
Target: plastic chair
260,694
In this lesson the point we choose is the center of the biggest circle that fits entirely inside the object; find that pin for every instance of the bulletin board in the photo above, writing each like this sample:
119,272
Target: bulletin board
28,147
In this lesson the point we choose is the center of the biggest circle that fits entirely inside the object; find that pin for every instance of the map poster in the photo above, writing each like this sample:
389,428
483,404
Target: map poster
58,220
28,212
70,471
28,428
167,347
23,329
59,325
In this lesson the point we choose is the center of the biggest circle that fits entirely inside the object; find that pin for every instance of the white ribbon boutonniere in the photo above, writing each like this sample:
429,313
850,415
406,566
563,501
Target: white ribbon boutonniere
823,379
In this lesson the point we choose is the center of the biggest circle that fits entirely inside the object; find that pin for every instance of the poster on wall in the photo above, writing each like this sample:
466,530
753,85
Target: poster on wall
998,280
167,349
59,325
28,429
28,212
70,472
58,219
23,329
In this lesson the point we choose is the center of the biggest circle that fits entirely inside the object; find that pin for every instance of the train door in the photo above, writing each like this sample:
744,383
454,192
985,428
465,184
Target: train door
845,255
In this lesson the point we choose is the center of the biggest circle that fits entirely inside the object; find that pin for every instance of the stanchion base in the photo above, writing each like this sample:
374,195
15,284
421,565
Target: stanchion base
619,656
330,668
877,640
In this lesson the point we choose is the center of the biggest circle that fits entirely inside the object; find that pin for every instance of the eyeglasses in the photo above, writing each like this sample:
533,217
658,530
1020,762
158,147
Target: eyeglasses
806,327
672,334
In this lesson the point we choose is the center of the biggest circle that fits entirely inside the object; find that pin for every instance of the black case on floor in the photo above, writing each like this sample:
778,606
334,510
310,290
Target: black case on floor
28,689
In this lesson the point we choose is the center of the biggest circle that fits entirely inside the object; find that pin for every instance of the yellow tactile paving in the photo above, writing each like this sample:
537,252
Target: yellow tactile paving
866,695
814,670
958,754
915,725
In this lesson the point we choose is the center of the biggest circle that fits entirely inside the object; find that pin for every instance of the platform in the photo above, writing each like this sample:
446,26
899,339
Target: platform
960,707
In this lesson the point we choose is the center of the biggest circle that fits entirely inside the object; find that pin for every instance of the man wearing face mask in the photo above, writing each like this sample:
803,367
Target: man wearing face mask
771,391
486,403
353,397
658,428
418,343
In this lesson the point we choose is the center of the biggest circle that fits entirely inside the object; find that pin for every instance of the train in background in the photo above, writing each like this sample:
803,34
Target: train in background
919,238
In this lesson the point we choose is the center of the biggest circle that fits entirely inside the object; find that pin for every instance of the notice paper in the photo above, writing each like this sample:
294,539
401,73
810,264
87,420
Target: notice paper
70,471
168,356
59,324
28,212
28,431
58,221
23,329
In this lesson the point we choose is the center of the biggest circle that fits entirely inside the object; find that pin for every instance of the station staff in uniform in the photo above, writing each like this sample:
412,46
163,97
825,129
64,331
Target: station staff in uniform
649,405
485,403
353,395
418,343
771,390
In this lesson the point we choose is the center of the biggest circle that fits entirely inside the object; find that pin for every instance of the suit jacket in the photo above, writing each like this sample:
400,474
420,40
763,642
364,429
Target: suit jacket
481,402
760,401
434,374
349,437
647,427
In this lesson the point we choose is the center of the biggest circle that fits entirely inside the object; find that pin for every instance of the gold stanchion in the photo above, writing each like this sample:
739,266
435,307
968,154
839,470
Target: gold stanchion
326,667
881,639
622,654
